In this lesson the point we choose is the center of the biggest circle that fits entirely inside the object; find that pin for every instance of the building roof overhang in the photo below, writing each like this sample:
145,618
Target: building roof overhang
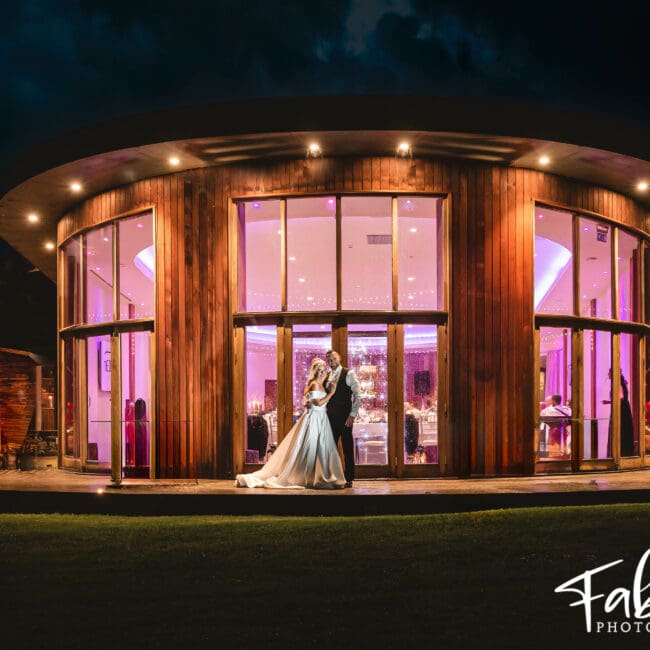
587,147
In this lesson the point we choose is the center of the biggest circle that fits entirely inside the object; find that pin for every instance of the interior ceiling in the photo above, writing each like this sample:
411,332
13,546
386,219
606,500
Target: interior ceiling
100,159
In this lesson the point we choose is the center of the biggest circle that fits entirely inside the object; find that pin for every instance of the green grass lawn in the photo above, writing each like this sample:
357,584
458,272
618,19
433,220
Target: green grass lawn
470,580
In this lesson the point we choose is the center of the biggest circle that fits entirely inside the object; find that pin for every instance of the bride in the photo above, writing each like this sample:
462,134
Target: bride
308,456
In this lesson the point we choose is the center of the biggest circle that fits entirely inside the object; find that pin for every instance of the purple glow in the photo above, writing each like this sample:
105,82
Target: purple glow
145,263
551,260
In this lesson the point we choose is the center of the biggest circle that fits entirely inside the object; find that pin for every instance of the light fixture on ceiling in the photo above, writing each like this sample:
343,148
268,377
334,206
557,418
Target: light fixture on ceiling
32,218
49,245
642,186
314,150
404,150
544,160
174,161
75,186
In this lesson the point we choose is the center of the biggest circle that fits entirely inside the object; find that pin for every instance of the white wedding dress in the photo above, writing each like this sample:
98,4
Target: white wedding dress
306,458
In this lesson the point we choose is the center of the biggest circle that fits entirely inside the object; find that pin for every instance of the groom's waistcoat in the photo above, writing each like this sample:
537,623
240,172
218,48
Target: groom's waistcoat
341,402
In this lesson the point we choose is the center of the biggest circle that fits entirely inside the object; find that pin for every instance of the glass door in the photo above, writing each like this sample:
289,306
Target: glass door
136,404
368,358
420,396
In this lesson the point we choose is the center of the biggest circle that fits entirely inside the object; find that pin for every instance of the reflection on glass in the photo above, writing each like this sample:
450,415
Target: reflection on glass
72,269
99,275
420,244
366,245
420,394
311,254
137,267
309,341
596,399
70,388
555,394
98,369
136,404
628,265
629,395
553,261
595,269
261,392
367,356
259,235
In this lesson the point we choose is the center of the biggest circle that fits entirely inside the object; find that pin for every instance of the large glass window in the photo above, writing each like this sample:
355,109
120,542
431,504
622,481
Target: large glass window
99,274
137,267
628,266
555,407
629,395
367,356
553,261
71,442
595,269
309,341
72,293
367,253
420,244
311,254
260,245
98,369
136,403
597,394
420,394
261,392
646,391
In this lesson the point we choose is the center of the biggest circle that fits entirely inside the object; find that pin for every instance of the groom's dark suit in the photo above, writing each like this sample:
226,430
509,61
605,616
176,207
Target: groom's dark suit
338,410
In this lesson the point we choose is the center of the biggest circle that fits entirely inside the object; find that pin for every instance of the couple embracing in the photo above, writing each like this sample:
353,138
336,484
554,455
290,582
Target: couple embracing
308,456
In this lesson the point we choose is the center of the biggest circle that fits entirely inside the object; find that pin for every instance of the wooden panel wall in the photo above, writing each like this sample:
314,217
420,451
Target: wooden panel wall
17,397
491,324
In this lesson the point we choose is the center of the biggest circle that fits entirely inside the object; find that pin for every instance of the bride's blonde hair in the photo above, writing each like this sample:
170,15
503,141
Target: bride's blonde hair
313,369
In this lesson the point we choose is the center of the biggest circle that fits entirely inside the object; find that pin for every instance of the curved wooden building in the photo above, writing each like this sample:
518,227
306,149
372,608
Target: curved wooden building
486,278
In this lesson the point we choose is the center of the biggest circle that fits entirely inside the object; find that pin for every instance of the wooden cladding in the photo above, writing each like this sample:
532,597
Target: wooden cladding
17,396
490,334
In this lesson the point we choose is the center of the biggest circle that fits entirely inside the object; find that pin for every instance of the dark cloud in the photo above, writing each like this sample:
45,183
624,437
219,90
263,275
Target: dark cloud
70,63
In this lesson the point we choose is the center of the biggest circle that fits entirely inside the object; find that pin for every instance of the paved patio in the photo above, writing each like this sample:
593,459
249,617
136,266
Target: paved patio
54,490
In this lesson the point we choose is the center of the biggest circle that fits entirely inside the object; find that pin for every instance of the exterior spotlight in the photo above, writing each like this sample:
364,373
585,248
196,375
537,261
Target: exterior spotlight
314,150
32,218
642,186
174,161
49,245
75,187
544,160
404,150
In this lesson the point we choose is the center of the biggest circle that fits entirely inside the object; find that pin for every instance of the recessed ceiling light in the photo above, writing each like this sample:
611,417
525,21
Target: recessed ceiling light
642,186
49,245
544,160
174,161
32,218
404,149
75,186
314,150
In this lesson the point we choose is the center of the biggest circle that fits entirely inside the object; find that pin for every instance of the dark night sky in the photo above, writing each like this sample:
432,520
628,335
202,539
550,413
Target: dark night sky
70,63
66,64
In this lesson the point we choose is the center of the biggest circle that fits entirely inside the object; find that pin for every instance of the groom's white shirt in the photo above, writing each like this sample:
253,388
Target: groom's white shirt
353,383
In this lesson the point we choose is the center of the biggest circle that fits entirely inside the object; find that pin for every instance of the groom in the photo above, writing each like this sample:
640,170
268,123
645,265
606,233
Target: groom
342,410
